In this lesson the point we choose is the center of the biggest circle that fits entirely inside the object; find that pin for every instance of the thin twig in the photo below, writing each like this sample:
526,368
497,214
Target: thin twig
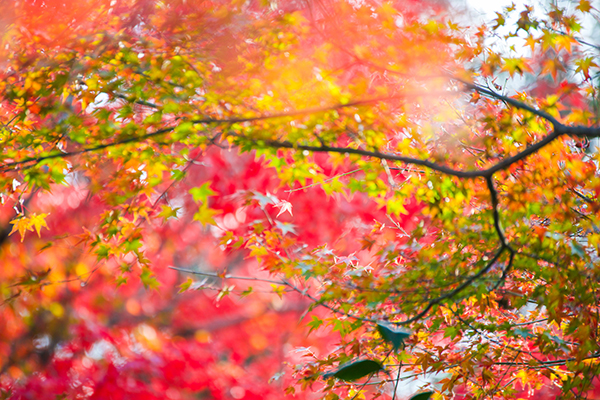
322,182
214,275
397,381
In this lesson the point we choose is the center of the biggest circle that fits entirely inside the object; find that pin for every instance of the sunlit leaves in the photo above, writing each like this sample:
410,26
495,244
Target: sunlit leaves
142,120
516,66
29,223
584,65
284,206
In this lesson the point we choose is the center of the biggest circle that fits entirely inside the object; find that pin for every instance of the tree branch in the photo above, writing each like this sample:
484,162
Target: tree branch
456,291
508,100
282,282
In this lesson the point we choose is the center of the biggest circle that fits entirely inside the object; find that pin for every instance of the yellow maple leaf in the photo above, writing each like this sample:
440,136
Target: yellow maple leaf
584,6
516,65
24,224
205,215
565,42
38,221
21,225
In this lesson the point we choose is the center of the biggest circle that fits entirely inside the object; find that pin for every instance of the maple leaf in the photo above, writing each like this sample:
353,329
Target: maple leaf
283,207
202,193
516,66
21,225
185,285
565,42
264,200
148,279
29,223
584,6
205,215
553,66
584,65
168,212
286,227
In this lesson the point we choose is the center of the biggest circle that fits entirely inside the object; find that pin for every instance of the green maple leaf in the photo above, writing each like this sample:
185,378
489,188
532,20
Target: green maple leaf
355,370
422,396
168,212
148,279
202,193
392,334
185,285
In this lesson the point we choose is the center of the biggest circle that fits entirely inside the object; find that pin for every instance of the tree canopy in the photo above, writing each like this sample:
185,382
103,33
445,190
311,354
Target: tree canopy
227,199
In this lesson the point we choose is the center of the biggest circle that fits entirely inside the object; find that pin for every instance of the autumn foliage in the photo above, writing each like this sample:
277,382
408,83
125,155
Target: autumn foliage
321,199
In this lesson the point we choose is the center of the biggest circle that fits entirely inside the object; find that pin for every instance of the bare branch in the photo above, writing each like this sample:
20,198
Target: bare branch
217,276
282,282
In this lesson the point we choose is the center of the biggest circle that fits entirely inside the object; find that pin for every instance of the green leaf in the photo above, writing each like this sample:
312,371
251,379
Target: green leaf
452,332
202,193
524,333
315,323
185,285
392,334
132,245
183,130
148,279
395,207
168,212
422,396
577,249
355,370
102,252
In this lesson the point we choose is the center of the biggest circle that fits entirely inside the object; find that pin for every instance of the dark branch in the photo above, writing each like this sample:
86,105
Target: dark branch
135,139
140,102
376,154
506,269
494,195
456,291
485,173
509,100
